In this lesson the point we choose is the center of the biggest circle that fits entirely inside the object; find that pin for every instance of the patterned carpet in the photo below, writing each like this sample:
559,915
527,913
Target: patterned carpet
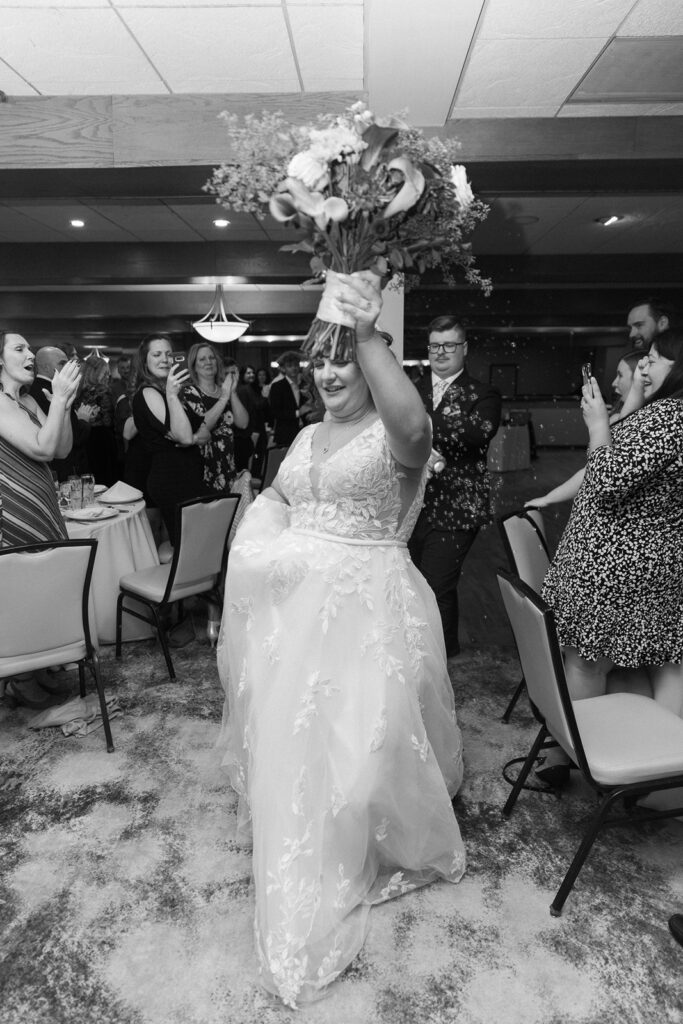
124,900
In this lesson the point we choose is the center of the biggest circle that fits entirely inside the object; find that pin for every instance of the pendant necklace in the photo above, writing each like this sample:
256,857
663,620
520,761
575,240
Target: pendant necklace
325,449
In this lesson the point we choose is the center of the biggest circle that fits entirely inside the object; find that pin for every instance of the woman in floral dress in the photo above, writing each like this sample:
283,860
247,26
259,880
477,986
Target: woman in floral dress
212,395
340,734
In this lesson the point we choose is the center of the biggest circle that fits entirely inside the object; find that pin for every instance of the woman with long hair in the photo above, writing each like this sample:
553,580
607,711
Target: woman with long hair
171,434
101,442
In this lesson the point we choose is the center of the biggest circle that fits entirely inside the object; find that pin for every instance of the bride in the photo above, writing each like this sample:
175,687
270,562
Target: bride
339,732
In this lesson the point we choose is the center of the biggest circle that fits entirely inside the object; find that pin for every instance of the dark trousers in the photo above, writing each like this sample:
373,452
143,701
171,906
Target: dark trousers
439,555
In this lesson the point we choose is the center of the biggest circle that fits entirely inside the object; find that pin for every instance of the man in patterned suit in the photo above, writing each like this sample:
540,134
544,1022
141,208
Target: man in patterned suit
465,415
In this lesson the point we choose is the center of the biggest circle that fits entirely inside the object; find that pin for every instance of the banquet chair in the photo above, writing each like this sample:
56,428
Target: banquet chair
624,744
271,464
524,540
44,612
197,567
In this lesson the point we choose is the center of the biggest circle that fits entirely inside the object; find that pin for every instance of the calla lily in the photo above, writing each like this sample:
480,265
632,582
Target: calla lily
412,189
310,203
336,209
377,138
282,208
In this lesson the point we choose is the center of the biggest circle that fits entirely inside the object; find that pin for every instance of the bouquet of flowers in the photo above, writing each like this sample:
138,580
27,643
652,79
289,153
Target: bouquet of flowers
364,194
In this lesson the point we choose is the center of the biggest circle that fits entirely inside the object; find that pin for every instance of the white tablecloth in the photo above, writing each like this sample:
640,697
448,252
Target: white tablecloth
124,543
509,449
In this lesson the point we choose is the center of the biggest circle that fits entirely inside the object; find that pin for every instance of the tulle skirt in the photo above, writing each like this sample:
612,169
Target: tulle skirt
340,737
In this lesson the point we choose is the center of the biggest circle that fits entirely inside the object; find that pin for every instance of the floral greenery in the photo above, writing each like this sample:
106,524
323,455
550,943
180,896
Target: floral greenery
364,194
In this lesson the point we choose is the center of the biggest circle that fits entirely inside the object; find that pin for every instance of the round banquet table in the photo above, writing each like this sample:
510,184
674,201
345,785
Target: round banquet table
124,544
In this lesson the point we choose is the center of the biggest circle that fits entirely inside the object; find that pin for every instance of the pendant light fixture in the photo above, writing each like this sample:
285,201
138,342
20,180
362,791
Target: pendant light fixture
216,326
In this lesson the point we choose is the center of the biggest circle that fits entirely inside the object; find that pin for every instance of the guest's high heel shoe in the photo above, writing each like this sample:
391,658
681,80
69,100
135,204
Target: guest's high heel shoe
213,623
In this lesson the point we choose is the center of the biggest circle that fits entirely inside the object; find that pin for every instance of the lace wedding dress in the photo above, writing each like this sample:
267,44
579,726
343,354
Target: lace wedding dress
339,734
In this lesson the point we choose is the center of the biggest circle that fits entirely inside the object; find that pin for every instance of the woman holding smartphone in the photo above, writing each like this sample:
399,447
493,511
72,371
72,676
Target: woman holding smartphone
616,582
212,395
171,433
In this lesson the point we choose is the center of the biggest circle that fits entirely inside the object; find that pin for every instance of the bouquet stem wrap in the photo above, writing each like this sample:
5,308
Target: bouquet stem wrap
332,332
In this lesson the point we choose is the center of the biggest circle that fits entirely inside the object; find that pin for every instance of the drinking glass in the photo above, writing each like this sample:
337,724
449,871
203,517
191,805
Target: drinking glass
88,489
76,487
64,498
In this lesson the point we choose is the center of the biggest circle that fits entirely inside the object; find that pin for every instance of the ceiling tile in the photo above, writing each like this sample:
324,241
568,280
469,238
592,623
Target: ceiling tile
13,84
484,112
151,221
415,56
638,70
582,233
608,109
654,18
200,217
67,51
243,49
504,230
514,72
18,227
55,214
328,43
566,19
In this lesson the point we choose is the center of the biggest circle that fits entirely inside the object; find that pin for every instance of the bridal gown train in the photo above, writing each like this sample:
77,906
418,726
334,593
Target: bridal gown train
339,733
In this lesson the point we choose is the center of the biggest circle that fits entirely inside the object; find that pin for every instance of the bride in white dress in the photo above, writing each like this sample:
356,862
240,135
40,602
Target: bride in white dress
339,734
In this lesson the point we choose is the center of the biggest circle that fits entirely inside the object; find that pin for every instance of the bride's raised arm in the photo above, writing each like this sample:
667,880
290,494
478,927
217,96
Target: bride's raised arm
395,396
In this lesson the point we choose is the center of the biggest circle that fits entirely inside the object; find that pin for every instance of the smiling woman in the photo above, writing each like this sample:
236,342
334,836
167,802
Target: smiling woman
28,441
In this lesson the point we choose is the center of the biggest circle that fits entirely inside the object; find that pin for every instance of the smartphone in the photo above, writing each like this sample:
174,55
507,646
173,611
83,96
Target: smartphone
179,359
587,373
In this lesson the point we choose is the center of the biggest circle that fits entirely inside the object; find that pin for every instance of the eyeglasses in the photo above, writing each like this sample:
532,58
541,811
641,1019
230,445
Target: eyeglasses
447,346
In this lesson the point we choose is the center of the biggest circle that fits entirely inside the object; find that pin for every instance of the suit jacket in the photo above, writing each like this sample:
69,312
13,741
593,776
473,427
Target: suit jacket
76,462
283,407
468,415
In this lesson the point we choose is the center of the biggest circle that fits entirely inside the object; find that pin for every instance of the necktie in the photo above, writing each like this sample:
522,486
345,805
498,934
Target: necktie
438,393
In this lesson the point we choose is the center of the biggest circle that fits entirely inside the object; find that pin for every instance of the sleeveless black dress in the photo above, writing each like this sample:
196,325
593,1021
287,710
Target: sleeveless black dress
176,472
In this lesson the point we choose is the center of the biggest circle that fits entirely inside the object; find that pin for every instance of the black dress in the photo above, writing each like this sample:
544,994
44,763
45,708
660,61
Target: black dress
177,472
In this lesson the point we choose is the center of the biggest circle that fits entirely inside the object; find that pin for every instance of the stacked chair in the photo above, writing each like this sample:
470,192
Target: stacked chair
524,540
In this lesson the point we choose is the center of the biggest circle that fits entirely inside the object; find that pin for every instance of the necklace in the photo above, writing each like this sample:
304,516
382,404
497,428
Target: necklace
213,393
342,428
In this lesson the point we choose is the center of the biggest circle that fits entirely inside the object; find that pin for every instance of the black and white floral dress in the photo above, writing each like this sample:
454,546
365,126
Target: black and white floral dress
616,582
218,453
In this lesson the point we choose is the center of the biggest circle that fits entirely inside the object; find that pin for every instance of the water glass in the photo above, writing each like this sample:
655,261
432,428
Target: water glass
64,496
76,487
88,489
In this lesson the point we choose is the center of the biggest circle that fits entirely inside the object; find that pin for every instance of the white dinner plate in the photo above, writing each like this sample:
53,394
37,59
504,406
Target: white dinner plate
92,514
110,501
100,488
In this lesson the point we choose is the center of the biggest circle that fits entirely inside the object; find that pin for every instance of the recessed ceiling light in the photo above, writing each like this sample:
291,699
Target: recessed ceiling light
221,223
77,223
608,221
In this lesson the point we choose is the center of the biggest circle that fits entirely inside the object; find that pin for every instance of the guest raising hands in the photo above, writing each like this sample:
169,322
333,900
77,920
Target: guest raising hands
212,396
29,440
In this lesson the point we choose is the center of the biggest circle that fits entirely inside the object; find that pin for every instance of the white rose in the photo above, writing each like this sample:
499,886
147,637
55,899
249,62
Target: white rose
463,191
309,169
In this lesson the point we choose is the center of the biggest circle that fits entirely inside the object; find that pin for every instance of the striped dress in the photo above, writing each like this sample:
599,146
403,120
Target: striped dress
28,505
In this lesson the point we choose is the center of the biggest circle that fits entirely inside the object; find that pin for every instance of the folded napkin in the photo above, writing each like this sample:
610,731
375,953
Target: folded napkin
78,716
121,491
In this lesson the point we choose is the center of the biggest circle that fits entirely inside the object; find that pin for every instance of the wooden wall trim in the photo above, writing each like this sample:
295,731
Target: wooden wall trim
130,131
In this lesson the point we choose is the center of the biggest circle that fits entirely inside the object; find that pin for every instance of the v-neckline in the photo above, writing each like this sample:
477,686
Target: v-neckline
314,485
